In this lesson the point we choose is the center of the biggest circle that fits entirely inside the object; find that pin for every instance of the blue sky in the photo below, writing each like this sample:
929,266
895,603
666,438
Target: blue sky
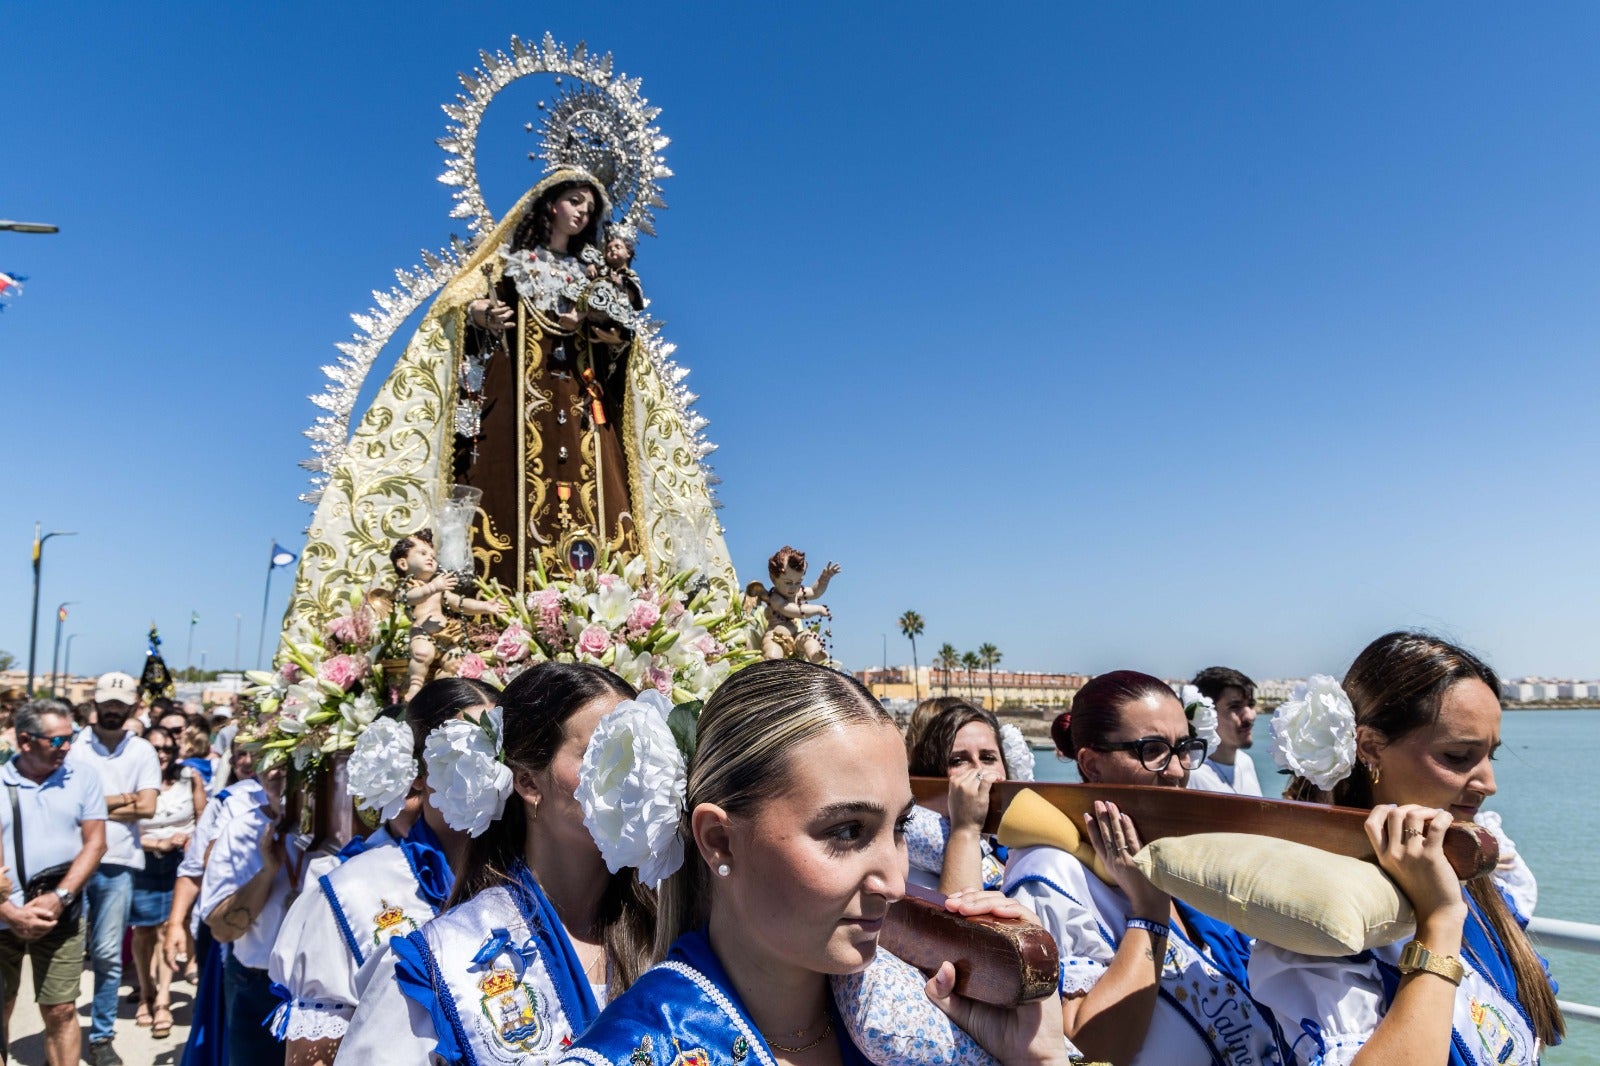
1147,337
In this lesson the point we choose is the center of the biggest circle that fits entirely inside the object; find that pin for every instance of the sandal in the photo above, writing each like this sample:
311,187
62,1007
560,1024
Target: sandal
141,1017
163,1023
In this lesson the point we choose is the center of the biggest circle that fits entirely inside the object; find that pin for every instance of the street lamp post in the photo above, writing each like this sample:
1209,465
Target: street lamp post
55,655
66,660
38,563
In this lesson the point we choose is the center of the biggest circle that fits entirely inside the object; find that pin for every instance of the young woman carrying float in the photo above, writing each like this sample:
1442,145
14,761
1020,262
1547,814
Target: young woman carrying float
390,883
1469,988
1145,979
795,802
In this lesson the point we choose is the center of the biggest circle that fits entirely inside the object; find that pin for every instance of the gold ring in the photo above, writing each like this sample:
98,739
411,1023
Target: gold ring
1407,834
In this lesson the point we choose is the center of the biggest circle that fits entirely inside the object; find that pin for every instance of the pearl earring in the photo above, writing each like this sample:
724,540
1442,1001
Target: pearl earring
723,870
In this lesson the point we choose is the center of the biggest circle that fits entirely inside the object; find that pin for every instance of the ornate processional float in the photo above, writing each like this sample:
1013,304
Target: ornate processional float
528,482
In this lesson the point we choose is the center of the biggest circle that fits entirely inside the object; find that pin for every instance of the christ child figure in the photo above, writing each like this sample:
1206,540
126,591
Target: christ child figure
789,602
436,610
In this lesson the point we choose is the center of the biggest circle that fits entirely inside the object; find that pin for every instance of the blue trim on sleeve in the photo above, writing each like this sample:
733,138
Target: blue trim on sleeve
417,973
343,921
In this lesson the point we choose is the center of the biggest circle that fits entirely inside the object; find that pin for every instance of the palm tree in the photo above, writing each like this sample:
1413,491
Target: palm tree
911,626
989,655
970,660
948,660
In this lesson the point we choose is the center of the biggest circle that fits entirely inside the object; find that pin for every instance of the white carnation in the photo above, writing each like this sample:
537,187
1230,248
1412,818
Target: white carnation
470,783
1202,714
631,787
1018,756
1314,733
382,767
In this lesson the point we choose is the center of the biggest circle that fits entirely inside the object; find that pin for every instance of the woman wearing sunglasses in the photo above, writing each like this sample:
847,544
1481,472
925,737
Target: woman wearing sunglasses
1144,978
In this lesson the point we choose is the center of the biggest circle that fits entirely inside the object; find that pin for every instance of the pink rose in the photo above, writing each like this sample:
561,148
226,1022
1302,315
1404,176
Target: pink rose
289,672
471,666
708,646
343,670
607,580
546,606
594,640
513,644
661,680
644,615
353,628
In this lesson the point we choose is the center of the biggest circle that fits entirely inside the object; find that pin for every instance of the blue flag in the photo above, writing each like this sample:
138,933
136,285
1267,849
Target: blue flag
281,556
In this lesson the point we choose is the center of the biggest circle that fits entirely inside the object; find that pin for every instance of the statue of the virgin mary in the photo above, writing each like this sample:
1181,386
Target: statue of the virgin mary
530,378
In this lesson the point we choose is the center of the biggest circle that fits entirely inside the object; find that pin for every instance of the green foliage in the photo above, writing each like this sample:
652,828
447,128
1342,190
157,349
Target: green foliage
684,721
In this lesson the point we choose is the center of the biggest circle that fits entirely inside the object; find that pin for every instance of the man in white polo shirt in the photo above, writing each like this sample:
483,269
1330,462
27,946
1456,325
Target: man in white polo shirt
62,824
130,775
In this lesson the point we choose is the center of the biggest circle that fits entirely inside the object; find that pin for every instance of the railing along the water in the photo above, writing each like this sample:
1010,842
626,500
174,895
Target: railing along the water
1572,936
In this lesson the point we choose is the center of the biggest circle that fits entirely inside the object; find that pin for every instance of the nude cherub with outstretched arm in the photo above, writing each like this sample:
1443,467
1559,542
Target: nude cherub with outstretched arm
435,608
789,602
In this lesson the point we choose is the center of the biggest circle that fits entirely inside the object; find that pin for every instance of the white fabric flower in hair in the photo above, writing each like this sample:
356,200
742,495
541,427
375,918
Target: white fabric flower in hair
1018,756
382,767
1314,733
470,783
631,787
1202,714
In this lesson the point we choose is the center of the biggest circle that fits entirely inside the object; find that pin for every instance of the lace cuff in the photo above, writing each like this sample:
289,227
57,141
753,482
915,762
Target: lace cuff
317,1020
1080,975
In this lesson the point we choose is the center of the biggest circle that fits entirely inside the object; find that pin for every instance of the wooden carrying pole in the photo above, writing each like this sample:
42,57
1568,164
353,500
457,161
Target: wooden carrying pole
1170,812
1000,961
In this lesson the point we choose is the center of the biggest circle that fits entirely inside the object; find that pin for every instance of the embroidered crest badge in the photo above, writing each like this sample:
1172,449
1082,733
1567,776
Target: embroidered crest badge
513,1011
1493,1031
389,922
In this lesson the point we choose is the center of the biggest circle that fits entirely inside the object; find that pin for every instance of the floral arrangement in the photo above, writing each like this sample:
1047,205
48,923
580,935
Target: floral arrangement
330,684
1201,711
1314,733
676,636
1018,755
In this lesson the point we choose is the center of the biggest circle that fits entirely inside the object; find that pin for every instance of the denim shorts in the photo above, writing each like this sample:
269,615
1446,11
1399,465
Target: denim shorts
152,888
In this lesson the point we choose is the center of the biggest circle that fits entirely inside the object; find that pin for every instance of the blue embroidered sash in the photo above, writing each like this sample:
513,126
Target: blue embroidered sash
487,970
684,1012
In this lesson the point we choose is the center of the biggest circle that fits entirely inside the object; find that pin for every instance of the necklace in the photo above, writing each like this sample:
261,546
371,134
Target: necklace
827,1030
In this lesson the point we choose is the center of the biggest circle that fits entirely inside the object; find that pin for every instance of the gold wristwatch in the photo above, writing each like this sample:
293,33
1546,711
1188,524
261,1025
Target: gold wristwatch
1416,957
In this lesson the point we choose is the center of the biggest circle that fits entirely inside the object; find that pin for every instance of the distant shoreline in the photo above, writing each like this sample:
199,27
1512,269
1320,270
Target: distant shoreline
1550,705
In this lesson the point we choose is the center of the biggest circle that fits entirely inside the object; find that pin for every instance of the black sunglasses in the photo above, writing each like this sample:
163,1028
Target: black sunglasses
56,743
1155,752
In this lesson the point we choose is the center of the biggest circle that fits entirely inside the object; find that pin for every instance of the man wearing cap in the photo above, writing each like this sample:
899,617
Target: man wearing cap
53,847
130,775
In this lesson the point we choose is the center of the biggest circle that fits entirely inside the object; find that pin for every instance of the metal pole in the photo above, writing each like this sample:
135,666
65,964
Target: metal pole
66,662
261,635
38,565
188,654
33,637
55,654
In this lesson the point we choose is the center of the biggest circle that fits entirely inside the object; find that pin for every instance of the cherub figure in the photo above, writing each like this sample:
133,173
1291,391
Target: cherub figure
788,604
614,296
435,607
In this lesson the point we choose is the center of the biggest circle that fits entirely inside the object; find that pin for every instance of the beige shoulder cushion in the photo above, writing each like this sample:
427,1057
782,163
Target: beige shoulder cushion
1295,896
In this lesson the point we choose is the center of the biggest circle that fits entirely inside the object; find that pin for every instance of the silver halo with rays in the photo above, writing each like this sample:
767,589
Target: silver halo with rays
604,128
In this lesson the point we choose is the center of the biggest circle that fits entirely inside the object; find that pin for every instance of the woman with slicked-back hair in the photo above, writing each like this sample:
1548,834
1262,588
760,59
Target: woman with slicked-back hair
1145,979
538,934
797,797
1468,989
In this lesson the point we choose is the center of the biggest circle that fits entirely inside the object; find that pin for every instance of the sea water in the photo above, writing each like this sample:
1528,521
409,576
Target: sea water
1548,776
